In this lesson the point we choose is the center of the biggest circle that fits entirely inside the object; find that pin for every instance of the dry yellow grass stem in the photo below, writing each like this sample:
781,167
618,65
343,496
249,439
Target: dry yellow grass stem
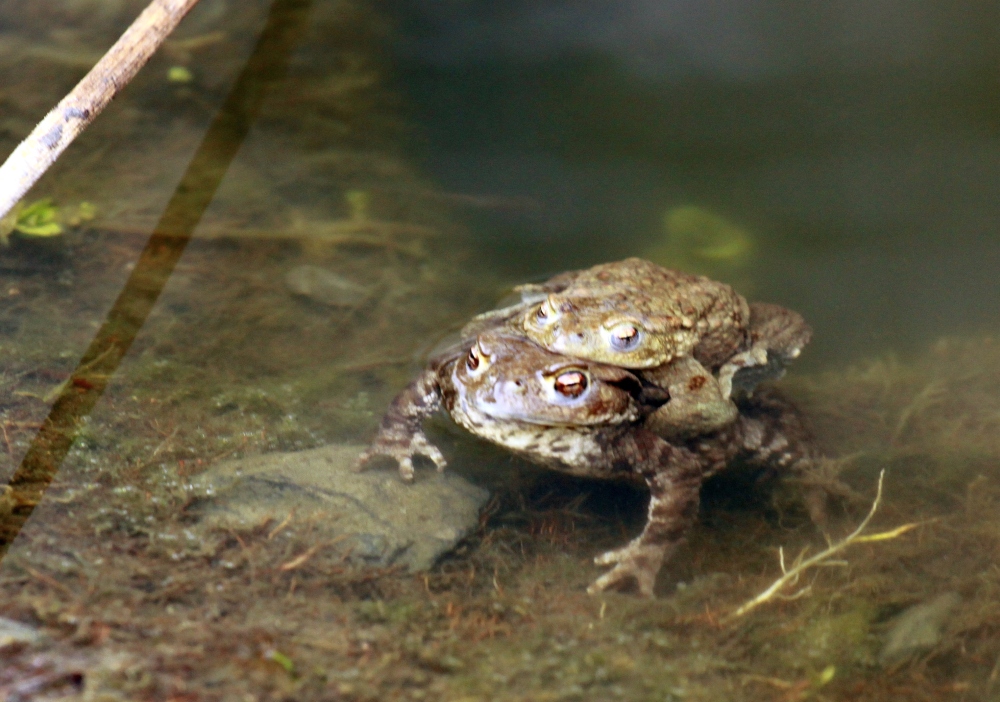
790,576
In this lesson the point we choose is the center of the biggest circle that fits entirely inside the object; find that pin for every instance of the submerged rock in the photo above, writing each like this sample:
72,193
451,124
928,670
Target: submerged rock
918,628
325,287
373,517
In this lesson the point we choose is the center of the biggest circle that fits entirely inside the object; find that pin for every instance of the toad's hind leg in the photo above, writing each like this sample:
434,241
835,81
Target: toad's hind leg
674,478
772,433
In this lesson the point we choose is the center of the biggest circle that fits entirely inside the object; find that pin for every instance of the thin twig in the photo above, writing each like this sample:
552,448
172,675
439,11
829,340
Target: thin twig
299,560
77,110
791,575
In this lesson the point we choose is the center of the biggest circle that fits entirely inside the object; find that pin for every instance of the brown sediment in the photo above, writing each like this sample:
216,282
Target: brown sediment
506,617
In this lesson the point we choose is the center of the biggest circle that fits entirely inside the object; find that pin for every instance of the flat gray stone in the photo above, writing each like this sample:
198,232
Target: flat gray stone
372,517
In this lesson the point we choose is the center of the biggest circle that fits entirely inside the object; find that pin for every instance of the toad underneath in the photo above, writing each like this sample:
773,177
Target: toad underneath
586,419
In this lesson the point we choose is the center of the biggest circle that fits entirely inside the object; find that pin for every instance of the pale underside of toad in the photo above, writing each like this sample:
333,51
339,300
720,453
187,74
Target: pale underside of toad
686,334
585,419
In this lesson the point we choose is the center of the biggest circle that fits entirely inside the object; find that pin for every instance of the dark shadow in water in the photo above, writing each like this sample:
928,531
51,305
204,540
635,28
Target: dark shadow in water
286,23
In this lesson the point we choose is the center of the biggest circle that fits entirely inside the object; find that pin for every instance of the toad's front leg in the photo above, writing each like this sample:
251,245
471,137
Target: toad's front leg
674,477
400,435
777,336
697,403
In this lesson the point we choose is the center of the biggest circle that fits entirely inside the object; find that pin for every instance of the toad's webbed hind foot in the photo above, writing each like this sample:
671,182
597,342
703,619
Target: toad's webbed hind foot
636,566
402,450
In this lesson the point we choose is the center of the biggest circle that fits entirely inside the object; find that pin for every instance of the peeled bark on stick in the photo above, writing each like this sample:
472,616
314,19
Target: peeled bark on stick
111,74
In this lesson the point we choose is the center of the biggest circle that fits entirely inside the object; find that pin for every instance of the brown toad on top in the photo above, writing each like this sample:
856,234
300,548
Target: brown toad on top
674,327
636,314
582,418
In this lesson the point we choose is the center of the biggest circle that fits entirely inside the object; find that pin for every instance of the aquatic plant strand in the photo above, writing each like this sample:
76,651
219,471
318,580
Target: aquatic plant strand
77,110
791,575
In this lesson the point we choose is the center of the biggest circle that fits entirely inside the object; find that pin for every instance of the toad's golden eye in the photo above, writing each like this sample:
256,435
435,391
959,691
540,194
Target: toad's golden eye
545,313
625,337
571,383
472,360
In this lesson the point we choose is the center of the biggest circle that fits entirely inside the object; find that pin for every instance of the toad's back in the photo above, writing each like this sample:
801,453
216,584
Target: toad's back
637,314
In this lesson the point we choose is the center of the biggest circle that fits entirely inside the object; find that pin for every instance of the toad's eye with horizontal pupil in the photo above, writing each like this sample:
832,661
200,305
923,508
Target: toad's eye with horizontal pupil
625,337
541,314
472,362
571,383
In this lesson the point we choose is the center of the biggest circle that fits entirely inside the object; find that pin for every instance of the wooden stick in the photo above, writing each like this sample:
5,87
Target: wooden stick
62,125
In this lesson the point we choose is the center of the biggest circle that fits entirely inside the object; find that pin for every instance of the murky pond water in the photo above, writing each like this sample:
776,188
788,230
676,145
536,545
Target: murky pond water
178,412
